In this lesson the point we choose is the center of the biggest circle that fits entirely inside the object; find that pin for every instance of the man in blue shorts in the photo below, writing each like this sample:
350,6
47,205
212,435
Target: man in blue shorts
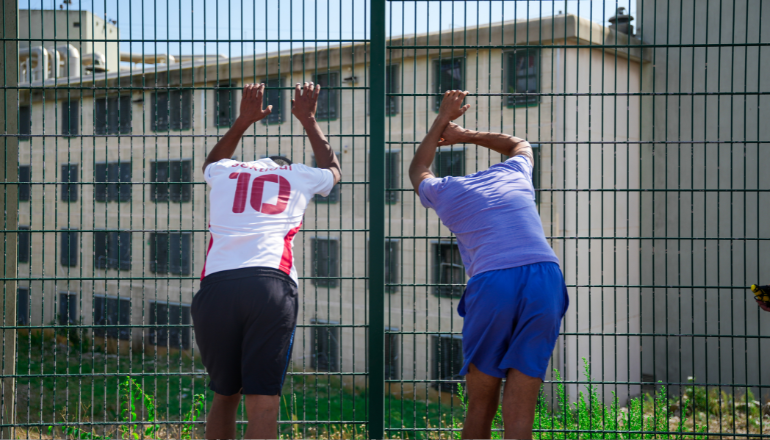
515,299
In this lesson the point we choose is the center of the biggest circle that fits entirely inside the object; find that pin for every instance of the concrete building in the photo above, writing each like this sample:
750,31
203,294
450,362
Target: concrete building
106,161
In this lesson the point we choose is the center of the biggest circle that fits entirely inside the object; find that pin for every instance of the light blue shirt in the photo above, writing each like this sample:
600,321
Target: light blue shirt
493,215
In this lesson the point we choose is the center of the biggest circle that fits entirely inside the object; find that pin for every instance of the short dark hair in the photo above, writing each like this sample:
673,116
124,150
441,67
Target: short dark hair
281,160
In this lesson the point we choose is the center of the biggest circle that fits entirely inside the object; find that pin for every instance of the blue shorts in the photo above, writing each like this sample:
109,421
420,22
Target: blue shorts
512,319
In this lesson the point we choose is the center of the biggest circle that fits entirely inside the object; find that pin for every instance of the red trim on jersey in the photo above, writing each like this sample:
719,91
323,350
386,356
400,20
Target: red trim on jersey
286,258
211,243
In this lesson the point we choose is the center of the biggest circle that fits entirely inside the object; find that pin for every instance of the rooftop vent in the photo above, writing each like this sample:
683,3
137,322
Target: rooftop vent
622,22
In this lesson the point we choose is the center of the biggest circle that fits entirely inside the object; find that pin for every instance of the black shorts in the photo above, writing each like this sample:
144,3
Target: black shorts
244,321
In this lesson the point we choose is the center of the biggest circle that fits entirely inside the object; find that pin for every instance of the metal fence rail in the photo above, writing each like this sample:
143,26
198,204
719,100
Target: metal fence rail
650,147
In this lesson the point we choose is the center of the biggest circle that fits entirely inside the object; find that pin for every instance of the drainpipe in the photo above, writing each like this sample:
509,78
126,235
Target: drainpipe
54,62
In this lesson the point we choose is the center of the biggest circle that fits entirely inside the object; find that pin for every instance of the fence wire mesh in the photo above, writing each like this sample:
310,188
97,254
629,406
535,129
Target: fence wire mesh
651,155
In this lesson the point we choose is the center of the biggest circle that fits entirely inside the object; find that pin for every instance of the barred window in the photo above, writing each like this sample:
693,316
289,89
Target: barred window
448,270
112,174
23,244
68,308
170,315
24,188
171,110
69,248
449,161
69,177
25,122
109,311
274,96
112,250
325,261
177,171
328,99
22,305
391,86
224,113
392,175
325,348
392,268
447,361
112,115
70,117
449,74
170,253
523,76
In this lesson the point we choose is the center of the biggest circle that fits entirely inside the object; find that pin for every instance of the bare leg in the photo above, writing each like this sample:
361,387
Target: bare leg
519,400
483,393
220,422
263,416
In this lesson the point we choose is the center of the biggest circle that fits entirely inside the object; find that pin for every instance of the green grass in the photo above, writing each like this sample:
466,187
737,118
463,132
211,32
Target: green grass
114,401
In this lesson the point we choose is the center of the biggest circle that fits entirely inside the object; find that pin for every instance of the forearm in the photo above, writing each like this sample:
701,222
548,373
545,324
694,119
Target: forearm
419,170
499,142
324,156
226,146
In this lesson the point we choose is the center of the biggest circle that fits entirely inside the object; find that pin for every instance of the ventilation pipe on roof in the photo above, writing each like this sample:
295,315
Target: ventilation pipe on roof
94,61
33,64
622,22
54,62
71,60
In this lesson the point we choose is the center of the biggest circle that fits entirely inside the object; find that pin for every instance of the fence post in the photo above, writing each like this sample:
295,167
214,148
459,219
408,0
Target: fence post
9,71
377,223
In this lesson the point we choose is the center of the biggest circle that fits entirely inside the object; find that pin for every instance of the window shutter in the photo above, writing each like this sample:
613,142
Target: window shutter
391,86
67,309
159,174
113,176
124,191
23,240
124,251
100,116
70,118
69,176
273,96
25,122
101,246
160,111
175,107
124,318
112,115
154,331
391,356
391,265
22,306
334,194
392,176
100,175
186,110
125,114
174,175
185,175
24,188
185,331
159,252
69,248
179,253
100,315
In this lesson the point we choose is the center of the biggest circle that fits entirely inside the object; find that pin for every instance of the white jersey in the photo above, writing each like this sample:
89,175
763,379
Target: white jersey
256,210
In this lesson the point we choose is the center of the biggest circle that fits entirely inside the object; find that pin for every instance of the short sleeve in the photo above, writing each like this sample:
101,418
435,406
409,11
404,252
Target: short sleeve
216,168
429,191
317,180
522,164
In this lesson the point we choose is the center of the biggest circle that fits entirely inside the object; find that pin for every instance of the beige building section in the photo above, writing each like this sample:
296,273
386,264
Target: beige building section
576,136
705,132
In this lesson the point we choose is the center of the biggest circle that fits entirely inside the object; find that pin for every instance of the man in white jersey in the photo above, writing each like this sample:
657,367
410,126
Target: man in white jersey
245,313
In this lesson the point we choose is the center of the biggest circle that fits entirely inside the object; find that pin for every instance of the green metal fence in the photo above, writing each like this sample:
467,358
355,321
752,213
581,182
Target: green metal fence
650,177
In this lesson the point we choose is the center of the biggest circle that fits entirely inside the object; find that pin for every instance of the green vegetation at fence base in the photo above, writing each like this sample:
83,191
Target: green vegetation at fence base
698,413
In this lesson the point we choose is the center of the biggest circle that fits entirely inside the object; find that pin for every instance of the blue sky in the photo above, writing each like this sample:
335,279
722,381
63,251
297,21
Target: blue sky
211,23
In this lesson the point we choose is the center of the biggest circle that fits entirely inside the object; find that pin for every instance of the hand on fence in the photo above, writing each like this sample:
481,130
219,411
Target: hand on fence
452,105
251,103
453,134
305,101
